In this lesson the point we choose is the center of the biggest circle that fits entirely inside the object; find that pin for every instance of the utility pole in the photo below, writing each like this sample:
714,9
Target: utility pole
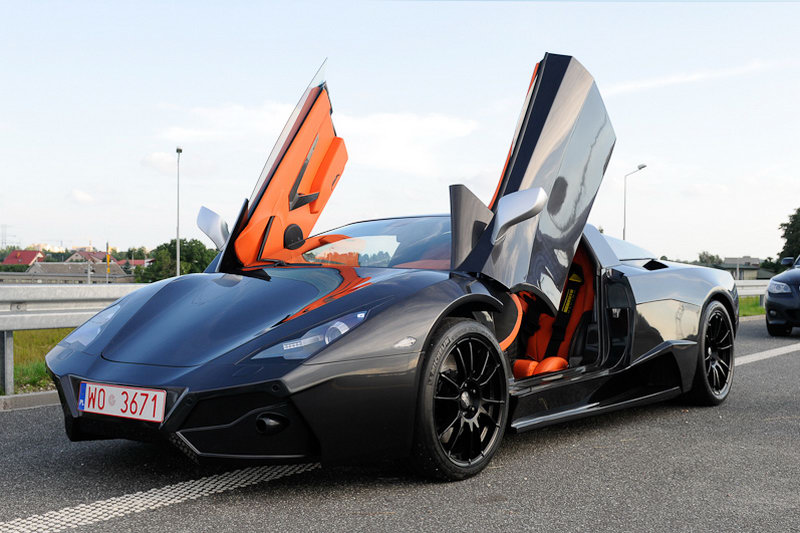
179,151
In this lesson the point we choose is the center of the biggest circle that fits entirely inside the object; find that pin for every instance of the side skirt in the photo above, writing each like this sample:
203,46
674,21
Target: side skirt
538,421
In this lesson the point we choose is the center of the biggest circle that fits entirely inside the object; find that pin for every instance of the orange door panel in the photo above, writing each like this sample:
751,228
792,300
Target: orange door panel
298,189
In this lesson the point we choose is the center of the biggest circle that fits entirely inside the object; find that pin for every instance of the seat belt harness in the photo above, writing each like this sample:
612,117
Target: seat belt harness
574,283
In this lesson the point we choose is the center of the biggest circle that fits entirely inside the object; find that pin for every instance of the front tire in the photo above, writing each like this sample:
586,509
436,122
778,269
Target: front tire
463,407
714,376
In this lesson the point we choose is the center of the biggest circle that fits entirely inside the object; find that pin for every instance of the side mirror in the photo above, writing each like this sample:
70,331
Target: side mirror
213,226
787,261
515,208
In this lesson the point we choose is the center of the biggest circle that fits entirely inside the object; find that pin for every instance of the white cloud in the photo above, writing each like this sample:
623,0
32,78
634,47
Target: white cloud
692,77
402,142
160,161
228,123
82,197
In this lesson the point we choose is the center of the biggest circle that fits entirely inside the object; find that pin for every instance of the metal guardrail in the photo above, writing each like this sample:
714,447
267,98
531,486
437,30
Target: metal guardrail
37,306
754,287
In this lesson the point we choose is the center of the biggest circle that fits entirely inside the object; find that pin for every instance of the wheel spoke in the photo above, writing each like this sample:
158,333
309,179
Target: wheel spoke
447,398
455,439
471,360
470,438
727,334
450,425
463,367
485,364
491,375
484,412
493,402
724,347
449,380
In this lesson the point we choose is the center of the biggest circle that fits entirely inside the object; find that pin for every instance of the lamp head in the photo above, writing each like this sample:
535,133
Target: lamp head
641,165
179,150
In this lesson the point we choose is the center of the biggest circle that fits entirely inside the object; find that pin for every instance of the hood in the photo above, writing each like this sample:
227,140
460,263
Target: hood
790,276
194,319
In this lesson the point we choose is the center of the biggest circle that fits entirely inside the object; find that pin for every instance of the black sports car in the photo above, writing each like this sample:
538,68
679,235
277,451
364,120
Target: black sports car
782,302
425,336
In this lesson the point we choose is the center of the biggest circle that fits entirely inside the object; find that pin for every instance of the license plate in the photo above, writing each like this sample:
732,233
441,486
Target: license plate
124,402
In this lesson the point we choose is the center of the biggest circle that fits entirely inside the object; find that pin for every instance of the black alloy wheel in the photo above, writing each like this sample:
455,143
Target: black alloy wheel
714,376
463,407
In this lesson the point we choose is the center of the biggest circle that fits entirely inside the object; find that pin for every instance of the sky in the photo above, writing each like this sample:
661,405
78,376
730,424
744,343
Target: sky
95,97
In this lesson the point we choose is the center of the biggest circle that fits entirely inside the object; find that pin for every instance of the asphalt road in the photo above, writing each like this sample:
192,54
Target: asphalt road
668,467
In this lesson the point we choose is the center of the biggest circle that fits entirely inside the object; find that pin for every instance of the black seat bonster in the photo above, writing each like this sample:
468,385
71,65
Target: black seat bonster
577,345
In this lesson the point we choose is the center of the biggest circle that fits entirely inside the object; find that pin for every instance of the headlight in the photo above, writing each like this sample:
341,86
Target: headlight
776,287
314,339
92,327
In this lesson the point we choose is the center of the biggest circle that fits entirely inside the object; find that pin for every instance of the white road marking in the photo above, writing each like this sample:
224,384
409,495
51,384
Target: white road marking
102,510
766,354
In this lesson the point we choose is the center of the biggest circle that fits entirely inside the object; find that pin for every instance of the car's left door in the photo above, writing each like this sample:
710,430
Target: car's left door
296,182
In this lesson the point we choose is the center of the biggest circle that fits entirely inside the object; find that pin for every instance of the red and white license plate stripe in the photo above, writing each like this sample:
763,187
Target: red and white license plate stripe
124,402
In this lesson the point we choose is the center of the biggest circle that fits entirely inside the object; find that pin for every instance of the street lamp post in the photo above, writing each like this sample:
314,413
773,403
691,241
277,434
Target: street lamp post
179,151
625,199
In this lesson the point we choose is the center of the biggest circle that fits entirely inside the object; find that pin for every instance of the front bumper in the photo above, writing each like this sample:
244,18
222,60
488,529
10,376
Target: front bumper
337,412
224,424
783,309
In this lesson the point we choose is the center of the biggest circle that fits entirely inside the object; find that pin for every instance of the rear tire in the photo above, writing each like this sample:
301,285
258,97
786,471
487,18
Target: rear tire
778,331
714,376
463,407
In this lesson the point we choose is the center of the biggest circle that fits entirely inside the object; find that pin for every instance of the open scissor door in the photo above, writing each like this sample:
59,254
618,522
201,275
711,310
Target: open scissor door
296,182
562,145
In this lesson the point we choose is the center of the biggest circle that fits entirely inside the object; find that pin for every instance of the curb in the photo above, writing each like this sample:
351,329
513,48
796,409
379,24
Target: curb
28,400
751,318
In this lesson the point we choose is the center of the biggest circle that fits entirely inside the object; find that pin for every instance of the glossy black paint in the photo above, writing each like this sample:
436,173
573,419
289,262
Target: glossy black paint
195,336
356,399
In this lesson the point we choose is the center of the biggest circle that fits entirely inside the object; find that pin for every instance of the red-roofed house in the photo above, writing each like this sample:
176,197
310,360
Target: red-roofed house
88,257
135,262
23,257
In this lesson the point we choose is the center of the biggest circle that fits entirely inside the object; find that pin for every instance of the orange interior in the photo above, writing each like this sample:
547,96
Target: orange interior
316,158
535,361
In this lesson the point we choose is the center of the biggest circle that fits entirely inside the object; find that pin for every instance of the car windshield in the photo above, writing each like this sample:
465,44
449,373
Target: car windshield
413,242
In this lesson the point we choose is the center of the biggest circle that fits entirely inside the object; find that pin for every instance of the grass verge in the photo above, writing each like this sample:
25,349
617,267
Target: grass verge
748,306
30,347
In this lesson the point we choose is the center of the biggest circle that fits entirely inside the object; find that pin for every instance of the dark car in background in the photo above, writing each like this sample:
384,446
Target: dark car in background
783,300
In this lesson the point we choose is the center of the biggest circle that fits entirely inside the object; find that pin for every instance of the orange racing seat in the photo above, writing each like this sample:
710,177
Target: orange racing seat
544,352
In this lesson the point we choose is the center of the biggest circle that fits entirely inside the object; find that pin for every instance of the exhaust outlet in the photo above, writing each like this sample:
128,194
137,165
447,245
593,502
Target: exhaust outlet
270,424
